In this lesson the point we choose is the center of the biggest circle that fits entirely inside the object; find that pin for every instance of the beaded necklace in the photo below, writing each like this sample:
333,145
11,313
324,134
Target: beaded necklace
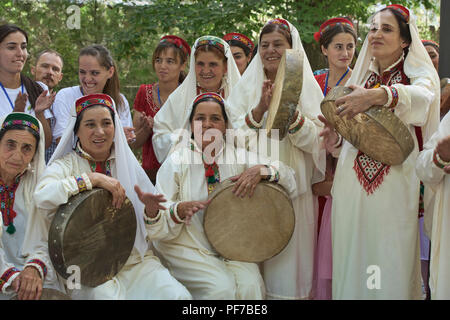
211,173
96,166
7,195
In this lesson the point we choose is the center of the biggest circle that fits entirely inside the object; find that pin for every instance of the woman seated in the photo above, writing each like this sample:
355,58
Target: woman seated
93,152
25,266
185,179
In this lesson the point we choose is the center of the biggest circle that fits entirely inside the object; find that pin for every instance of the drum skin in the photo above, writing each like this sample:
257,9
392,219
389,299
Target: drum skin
249,229
89,233
288,87
49,294
378,132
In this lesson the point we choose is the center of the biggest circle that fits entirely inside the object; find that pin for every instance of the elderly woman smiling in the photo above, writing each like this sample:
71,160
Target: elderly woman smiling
24,262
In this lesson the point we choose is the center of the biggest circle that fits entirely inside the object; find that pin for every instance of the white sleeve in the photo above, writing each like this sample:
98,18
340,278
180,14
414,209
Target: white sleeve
61,109
125,114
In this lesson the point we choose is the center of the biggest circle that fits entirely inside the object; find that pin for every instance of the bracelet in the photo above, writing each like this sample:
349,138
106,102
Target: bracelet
151,221
438,161
338,144
80,183
273,175
174,213
251,123
392,94
298,124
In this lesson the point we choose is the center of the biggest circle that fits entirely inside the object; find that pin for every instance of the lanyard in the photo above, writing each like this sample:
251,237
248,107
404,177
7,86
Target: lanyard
7,96
159,98
326,81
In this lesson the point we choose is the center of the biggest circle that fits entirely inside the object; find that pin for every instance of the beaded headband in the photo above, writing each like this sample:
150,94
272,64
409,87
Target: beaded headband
93,100
178,42
212,41
208,95
400,9
430,42
281,22
239,37
23,119
331,23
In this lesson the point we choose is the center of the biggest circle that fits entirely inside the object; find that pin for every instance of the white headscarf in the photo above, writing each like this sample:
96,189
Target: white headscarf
129,171
247,93
417,64
174,114
35,241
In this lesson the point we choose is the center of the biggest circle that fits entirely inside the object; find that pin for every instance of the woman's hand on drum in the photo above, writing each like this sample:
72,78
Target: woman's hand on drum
187,209
246,181
264,102
151,201
329,135
359,100
28,284
111,184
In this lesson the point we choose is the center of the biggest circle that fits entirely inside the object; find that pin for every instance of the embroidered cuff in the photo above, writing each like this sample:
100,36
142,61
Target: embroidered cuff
298,124
154,220
87,181
7,277
251,123
80,183
273,174
39,265
438,161
174,213
392,96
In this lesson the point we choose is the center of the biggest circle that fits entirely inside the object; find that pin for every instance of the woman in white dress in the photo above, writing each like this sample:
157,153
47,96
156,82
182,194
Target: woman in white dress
93,152
186,178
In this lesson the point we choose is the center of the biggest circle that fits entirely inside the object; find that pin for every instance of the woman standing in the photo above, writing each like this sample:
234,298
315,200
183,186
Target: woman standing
25,266
289,275
97,73
242,49
169,62
18,92
337,38
211,69
375,224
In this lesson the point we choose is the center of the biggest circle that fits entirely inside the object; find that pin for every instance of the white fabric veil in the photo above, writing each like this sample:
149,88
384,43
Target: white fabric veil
417,64
174,114
129,171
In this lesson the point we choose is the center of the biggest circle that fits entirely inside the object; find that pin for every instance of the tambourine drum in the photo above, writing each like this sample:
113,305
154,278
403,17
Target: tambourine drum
377,132
285,96
49,294
90,233
249,229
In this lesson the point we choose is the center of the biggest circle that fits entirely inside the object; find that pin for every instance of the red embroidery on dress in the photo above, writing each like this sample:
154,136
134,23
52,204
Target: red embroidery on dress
370,172
149,98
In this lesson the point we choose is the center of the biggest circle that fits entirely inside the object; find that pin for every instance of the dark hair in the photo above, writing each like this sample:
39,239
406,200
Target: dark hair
210,48
429,43
327,37
80,116
56,53
222,107
21,127
104,58
403,27
32,87
180,54
236,43
271,27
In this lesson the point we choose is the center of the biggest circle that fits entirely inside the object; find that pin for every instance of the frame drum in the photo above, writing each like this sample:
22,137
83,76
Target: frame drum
90,233
378,132
249,229
288,87
49,294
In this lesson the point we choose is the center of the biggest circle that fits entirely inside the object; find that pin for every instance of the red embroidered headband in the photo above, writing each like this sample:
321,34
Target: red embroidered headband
93,100
178,42
281,22
22,119
208,95
330,24
239,37
430,42
212,41
400,9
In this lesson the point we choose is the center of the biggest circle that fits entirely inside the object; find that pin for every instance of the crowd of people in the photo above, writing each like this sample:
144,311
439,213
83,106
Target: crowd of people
352,212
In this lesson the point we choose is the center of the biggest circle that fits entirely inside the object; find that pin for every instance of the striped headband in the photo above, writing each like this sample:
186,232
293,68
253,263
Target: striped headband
331,23
93,100
21,119
400,9
211,41
239,37
281,22
207,96
430,42
178,42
